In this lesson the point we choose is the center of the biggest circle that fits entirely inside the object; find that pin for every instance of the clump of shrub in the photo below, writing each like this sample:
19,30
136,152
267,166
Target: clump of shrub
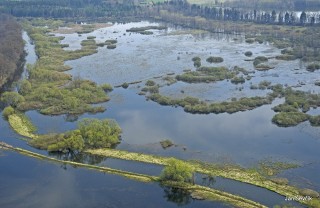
250,40
91,133
213,59
101,44
106,87
91,37
312,67
166,143
88,42
177,170
194,105
314,120
196,58
263,67
125,85
25,87
259,63
286,119
285,108
264,85
143,30
309,192
280,181
7,112
196,61
169,80
146,32
111,41
238,80
111,46
150,83
12,98
259,59
248,53
259,39
151,89
206,74
286,57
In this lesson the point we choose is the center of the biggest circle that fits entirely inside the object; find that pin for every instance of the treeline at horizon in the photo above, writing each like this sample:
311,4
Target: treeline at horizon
247,11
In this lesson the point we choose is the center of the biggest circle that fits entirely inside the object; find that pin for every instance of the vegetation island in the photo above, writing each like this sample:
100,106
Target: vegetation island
50,90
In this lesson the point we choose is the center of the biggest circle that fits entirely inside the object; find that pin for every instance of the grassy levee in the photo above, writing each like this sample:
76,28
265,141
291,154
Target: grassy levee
135,176
239,174
214,195
203,192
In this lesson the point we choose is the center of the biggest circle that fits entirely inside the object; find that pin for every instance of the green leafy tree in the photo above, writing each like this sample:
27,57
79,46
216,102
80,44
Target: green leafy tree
25,87
12,98
71,142
177,170
7,112
303,17
99,133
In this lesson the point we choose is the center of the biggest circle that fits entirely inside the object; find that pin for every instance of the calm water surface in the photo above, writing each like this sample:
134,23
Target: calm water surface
243,138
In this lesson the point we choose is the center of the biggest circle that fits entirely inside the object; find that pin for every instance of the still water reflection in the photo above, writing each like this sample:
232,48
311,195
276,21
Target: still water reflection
35,183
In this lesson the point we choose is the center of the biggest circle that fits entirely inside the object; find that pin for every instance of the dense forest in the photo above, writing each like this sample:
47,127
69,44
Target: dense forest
67,8
298,5
262,12
12,48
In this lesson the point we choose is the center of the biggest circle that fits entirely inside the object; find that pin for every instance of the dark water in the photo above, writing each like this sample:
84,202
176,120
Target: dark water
28,182
243,138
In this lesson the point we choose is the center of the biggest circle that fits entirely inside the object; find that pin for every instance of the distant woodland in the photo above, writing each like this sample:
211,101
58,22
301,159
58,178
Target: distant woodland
288,12
11,48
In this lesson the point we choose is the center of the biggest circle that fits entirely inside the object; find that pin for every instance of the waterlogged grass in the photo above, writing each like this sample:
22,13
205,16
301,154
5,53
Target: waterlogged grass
22,125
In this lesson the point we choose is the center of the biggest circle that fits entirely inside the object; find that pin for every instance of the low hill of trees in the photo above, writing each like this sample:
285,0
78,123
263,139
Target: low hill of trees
11,48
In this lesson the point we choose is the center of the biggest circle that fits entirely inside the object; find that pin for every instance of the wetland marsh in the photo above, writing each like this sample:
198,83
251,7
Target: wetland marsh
241,138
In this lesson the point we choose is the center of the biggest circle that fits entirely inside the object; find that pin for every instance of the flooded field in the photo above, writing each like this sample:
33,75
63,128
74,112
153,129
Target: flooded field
243,138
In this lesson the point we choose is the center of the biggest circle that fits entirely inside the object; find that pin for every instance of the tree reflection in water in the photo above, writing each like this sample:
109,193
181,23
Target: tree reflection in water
78,157
179,196
208,180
